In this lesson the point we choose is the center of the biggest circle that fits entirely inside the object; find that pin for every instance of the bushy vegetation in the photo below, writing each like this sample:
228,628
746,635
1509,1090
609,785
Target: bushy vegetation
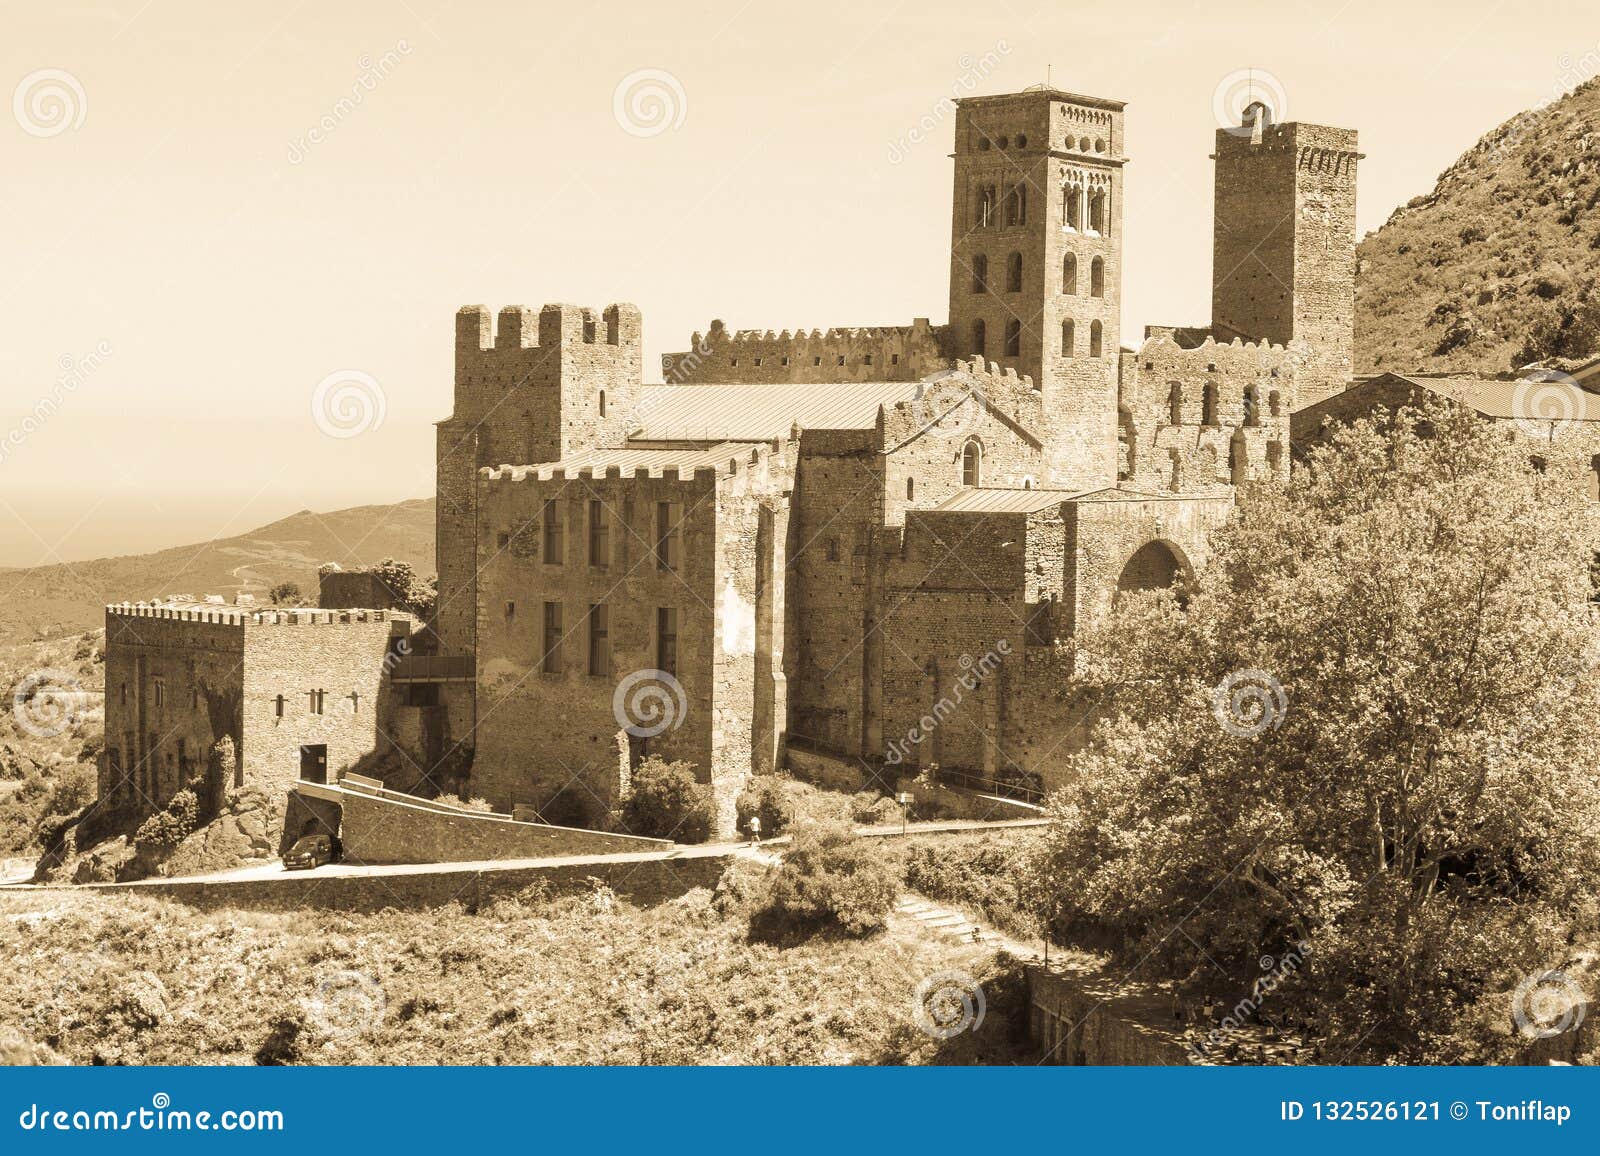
832,881
586,979
1498,265
767,799
987,875
1368,739
666,801
172,824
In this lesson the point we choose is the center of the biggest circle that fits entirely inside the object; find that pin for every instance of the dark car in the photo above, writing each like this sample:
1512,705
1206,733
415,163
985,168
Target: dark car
311,851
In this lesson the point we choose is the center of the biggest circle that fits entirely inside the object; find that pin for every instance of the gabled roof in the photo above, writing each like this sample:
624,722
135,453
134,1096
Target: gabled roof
1512,399
761,412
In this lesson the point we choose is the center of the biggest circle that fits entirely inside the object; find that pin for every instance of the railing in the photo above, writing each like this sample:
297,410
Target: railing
414,668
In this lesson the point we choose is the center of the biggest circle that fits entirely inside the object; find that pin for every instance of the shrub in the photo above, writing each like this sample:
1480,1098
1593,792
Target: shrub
285,594
668,802
169,826
830,881
871,808
766,799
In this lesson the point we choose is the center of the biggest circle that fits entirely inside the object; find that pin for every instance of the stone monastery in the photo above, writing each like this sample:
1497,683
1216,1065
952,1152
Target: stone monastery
857,546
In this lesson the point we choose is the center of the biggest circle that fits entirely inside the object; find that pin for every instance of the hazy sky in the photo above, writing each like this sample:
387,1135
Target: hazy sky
235,202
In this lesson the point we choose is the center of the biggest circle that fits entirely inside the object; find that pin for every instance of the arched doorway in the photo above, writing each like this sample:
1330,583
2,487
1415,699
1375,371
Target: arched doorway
1156,565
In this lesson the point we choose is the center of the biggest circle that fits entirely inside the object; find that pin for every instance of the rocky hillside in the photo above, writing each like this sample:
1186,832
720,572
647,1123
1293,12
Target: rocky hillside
1498,265
53,601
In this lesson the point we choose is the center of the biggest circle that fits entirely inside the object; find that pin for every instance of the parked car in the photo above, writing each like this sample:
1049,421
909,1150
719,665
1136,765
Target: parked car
311,851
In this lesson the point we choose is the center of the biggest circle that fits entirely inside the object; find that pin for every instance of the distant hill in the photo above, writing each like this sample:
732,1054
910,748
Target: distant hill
1498,266
52,601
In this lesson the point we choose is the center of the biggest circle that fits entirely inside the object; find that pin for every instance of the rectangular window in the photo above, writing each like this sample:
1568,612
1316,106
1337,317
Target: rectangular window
502,540
599,641
552,533
161,693
511,611
667,639
552,638
599,535
316,697
667,535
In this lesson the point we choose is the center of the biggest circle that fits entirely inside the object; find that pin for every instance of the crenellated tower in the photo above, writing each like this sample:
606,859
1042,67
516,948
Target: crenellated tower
1036,260
1284,252
530,389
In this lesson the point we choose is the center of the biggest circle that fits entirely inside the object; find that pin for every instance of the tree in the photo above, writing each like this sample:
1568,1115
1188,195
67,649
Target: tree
831,880
666,801
416,595
285,594
1369,733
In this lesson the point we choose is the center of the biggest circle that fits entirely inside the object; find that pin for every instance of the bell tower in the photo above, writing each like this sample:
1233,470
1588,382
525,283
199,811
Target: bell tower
1036,261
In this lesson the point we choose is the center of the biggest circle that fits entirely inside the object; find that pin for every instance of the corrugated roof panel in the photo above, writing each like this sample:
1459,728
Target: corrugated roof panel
1535,400
761,412
1005,501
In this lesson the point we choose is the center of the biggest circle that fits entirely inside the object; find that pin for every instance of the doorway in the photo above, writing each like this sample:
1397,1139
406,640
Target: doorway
314,763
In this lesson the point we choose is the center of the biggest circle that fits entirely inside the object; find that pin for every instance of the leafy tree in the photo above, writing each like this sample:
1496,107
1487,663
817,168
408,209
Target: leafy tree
766,799
1419,807
285,594
667,802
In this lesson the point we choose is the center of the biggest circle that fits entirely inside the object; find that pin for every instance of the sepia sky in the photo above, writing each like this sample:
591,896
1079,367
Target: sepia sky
207,211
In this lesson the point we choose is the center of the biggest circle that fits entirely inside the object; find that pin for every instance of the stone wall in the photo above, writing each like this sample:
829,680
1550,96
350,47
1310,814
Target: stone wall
873,353
1077,1019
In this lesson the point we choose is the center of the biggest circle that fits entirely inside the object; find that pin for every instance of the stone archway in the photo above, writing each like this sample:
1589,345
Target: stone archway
1157,565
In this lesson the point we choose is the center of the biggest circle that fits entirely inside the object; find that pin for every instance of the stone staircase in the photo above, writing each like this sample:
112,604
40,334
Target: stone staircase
947,924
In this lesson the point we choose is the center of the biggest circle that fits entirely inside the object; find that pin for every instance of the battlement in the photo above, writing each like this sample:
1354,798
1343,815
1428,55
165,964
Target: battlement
700,466
1319,147
841,353
222,615
557,324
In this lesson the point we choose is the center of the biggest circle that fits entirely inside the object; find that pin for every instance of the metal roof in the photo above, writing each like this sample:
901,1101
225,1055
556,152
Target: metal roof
998,501
761,412
1533,400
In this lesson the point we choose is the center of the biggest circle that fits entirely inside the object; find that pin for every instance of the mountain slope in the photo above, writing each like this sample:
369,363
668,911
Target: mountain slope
1499,265
49,601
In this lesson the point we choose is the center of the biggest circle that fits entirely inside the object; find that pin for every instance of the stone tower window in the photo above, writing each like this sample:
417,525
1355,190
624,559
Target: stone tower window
1252,406
1208,404
1096,339
1014,338
552,638
1274,402
979,338
1017,205
1069,274
972,464
988,210
599,641
552,533
667,639
667,535
983,144
1175,404
277,706
1594,478
1014,273
1097,277
1068,330
911,489
980,274
1072,208
599,534
1097,212
602,403
1237,459
1022,141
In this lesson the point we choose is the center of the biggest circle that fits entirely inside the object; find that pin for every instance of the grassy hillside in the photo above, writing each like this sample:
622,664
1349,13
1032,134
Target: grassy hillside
1498,265
51,601
580,980
48,751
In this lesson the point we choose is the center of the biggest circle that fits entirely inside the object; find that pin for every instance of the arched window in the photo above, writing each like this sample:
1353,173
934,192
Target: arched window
602,403
987,209
1208,405
1175,403
1017,205
1069,273
980,274
1067,328
1097,277
1072,207
979,344
1237,458
1014,273
911,489
1096,339
1252,406
972,464
1273,403
1013,338
1097,212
